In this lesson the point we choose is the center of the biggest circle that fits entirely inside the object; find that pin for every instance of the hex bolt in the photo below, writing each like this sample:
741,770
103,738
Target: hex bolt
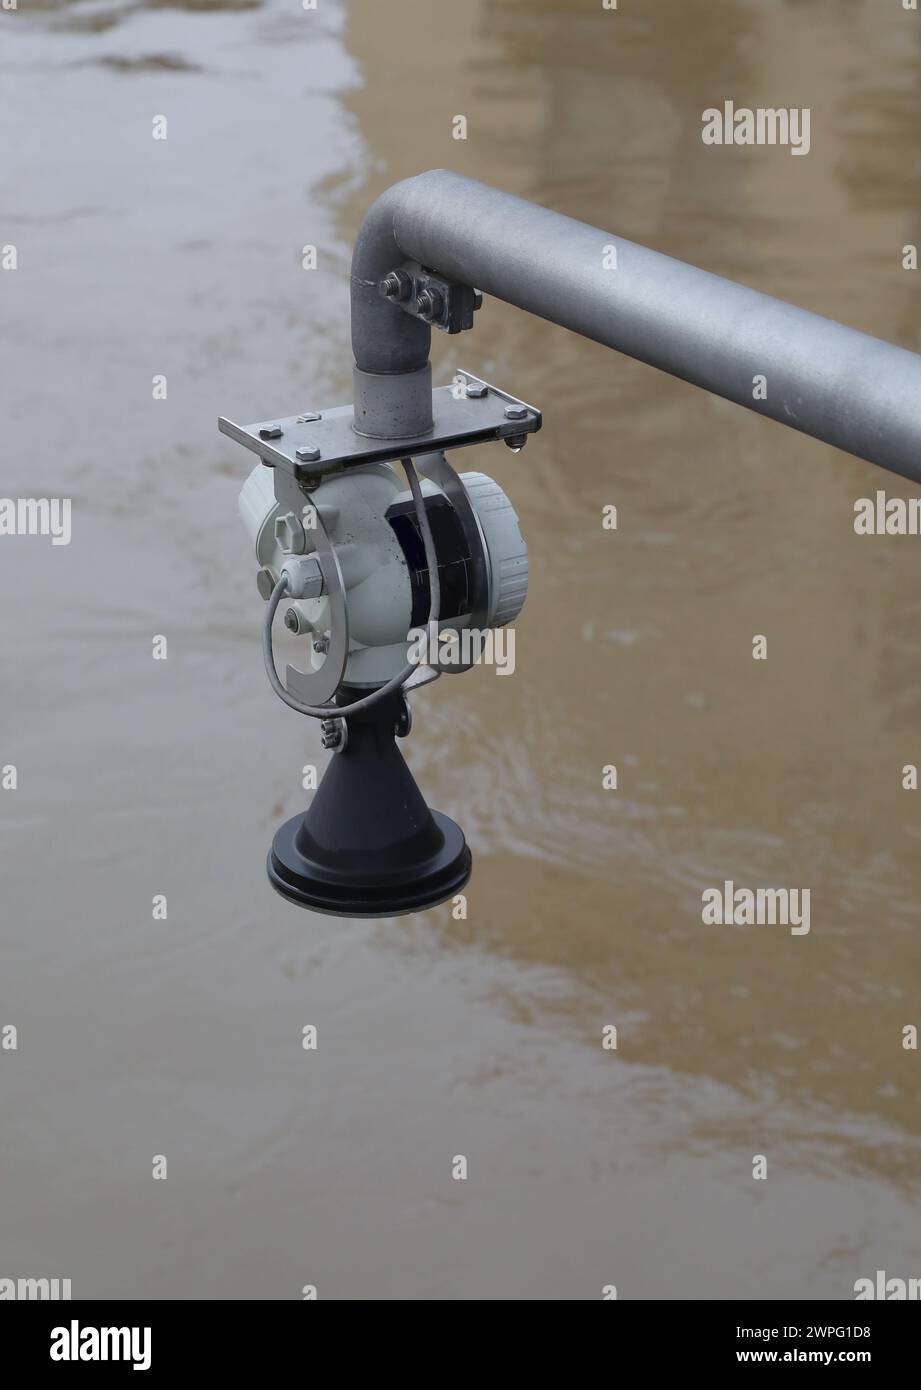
397,285
332,734
476,390
308,453
308,417
291,622
270,432
516,412
430,304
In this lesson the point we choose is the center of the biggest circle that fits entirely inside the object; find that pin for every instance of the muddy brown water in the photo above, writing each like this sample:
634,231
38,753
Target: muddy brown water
482,1037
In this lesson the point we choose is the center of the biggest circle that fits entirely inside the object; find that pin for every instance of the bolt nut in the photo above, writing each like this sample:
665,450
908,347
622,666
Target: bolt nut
308,417
516,412
308,453
297,621
476,390
430,304
271,432
321,645
333,734
397,285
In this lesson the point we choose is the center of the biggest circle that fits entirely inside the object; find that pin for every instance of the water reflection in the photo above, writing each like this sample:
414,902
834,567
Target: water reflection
636,650
439,1035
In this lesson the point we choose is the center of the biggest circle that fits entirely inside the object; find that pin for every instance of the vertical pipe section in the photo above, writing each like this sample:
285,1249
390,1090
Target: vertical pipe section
846,388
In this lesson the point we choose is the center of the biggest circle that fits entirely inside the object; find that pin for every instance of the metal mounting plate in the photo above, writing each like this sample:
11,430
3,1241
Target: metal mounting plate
460,418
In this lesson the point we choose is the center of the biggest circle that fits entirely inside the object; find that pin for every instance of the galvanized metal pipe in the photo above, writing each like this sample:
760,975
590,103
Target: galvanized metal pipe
851,390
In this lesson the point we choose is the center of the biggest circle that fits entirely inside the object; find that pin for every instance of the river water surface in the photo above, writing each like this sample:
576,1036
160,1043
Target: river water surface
182,257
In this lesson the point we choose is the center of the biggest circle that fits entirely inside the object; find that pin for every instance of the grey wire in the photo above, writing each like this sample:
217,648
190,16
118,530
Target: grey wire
366,701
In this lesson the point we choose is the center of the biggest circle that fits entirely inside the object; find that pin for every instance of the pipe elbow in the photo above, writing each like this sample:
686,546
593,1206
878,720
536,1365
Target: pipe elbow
385,339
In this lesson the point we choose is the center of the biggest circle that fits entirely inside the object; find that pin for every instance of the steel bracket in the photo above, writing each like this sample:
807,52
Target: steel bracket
314,444
443,303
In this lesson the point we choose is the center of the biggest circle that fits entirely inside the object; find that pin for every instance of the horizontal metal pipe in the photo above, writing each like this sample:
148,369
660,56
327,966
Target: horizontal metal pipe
851,390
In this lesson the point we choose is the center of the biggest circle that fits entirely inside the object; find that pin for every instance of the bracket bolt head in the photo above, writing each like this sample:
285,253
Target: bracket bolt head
516,412
309,453
270,432
475,390
321,645
291,620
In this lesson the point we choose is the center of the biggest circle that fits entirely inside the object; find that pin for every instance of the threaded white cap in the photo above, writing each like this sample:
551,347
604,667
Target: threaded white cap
507,552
